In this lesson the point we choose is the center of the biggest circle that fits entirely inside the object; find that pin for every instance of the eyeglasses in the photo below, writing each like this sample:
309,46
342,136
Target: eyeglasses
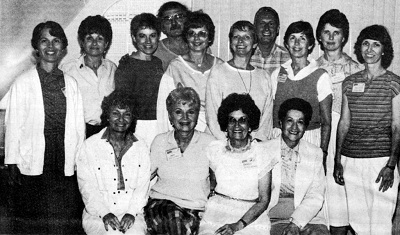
178,17
241,121
201,34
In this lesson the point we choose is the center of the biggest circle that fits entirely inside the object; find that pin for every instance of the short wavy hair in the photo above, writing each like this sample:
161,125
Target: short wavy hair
241,26
122,100
146,21
184,95
378,33
335,18
95,24
235,102
265,10
55,30
170,6
300,27
197,20
296,104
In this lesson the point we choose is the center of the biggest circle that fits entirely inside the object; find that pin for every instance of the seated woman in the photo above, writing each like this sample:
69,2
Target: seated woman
179,161
242,171
113,170
298,178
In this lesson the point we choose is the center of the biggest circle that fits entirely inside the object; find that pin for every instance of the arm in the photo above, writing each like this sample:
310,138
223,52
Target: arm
264,132
386,175
325,107
264,189
343,128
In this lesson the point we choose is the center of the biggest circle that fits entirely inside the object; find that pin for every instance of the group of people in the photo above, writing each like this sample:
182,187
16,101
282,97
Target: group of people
175,141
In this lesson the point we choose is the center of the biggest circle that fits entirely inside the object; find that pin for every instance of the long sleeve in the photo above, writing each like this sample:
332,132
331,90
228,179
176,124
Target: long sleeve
166,86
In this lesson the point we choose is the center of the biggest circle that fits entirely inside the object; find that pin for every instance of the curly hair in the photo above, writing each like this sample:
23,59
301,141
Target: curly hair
378,33
122,100
296,104
95,24
300,27
183,95
147,21
170,6
266,10
197,20
55,30
235,102
244,25
335,18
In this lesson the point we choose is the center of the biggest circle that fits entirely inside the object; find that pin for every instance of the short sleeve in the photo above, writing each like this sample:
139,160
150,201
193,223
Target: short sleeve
324,86
213,150
267,162
395,85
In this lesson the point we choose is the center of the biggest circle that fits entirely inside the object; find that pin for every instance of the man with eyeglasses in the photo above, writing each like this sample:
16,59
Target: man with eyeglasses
268,55
172,16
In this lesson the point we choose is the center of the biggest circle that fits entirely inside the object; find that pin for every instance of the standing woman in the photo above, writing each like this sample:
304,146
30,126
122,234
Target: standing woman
191,69
368,136
300,77
239,76
93,72
45,128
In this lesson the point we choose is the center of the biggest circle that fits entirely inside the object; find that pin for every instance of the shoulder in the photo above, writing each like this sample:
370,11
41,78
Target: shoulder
157,60
109,63
125,59
205,137
70,64
271,144
216,146
281,49
160,140
312,150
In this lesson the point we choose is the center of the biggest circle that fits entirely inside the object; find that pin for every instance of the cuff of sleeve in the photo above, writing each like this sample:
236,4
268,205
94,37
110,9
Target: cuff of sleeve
103,212
294,221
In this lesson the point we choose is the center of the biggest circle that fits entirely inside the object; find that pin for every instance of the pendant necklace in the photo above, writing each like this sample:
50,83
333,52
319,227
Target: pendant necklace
244,84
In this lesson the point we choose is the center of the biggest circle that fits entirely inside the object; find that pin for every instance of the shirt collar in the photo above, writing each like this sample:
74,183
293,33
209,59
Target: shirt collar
129,136
82,62
172,141
273,50
285,147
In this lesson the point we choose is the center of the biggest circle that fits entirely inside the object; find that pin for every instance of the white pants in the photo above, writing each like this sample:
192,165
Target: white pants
370,210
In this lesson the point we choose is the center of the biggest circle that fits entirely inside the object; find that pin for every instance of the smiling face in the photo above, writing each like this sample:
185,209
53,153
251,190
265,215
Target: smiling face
242,42
371,51
298,45
184,117
332,38
146,41
94,45
293,127
267,28
50,49
119,119
172,22
238,127
198,39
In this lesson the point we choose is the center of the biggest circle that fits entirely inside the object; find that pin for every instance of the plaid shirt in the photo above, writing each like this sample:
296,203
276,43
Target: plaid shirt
278,56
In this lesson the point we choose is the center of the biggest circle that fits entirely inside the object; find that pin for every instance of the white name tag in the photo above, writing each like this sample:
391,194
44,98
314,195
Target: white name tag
358,87
174,153
249,162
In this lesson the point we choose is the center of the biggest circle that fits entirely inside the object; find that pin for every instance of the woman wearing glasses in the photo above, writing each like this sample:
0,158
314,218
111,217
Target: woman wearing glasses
237,75
191,69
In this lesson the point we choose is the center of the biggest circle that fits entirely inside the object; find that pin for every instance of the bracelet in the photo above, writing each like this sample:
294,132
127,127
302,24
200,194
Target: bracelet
391,167
243,222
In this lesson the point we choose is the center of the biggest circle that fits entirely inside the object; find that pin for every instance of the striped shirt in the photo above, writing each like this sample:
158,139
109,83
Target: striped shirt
278,56
369,135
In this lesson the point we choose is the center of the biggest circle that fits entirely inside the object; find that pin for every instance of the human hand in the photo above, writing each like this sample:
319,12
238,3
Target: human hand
112,220
386,176
14,175
228,229
338,173
291,229
126,222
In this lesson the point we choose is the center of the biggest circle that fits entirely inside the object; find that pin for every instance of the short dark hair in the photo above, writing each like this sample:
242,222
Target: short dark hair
235,102
264,10
335,18
241,26
95,24
300,27
55,30
184,95
197,20
296,104
147,21
120,99
378,33
169,6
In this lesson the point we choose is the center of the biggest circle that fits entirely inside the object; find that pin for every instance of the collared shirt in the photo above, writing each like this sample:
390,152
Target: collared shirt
290,158
277,57
130,139
93,88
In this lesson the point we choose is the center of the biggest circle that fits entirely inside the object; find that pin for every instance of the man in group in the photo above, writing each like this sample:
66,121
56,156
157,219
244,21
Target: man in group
332,34
268,55
172,16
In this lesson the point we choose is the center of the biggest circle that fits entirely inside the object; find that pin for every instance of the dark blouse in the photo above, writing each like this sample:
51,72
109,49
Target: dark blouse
142,79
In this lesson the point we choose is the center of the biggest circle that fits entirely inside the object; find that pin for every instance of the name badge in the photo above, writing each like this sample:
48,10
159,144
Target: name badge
358,87
338,77
174,153
249,162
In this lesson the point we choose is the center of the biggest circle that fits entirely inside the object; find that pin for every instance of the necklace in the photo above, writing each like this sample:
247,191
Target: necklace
244,84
